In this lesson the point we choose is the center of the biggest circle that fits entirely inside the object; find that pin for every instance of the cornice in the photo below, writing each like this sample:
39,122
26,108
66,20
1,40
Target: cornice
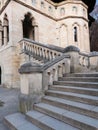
38,11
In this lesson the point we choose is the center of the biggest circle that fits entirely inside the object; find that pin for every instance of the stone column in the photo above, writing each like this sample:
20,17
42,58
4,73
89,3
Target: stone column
36,33
5,34
1,35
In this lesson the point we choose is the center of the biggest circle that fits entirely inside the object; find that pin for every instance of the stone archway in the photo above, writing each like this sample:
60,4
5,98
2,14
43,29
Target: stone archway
30,28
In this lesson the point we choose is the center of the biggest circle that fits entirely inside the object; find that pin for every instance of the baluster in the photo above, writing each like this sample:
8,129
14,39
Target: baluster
40,52
63,68
37,51
44,54
50,78
60,71
47,54
55,74
23,47
50,57
31,49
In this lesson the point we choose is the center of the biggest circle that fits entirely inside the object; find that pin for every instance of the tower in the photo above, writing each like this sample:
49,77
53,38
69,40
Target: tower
61,23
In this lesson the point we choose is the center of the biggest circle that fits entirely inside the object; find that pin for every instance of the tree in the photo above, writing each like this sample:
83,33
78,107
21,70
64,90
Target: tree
94,30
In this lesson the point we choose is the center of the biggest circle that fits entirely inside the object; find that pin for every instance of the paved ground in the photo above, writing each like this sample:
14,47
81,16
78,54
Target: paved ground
10,99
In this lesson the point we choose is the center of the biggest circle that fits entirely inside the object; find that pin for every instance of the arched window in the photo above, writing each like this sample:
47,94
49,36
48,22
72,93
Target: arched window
50,9
34,2
84,12
42,4
2,37
30,28
6,29
74,8
1,34
75,34
62,11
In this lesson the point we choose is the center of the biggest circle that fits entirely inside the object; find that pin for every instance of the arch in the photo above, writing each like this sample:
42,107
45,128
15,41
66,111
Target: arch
62,11
6,25
76,35
28,28
1,34
42,4
50,9
74,9
63,35
34,2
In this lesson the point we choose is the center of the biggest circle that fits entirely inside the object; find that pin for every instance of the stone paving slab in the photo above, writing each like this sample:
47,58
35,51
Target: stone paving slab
10,99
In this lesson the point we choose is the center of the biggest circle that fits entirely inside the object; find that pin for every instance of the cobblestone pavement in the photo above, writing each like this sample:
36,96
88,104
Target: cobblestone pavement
10,99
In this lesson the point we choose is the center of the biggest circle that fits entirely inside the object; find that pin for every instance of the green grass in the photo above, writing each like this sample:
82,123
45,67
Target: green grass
1,103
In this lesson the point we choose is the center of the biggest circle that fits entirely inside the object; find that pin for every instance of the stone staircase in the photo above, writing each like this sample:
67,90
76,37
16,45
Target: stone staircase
71,103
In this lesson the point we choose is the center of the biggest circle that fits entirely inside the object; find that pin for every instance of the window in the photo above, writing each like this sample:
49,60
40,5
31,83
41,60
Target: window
42,4
84,12
62,11
34,2
2,38
50,9
75,34
6,25
74,9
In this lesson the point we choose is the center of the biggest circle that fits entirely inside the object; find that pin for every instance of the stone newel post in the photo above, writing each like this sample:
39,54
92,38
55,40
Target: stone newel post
31,86
74,61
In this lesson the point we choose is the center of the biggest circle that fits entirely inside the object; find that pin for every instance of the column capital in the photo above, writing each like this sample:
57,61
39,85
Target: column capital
5,23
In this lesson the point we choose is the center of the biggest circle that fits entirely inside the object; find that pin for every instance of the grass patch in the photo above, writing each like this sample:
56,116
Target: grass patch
1,103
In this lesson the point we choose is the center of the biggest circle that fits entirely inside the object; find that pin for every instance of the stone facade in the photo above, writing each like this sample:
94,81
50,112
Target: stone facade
61,24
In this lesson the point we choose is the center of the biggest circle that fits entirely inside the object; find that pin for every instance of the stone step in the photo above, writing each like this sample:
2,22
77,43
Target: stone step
91,100
46,122
74,83
17,121
93,74
81,90
89,110
77,120
79,79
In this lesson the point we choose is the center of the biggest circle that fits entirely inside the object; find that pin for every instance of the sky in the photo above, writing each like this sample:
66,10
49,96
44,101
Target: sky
97,1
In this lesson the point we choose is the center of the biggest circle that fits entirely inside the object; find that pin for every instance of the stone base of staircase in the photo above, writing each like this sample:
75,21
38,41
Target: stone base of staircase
71,103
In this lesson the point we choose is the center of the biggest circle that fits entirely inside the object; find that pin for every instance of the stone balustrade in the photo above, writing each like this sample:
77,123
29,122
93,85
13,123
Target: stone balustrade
39,51
54,69
36,78
42,52
84,60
